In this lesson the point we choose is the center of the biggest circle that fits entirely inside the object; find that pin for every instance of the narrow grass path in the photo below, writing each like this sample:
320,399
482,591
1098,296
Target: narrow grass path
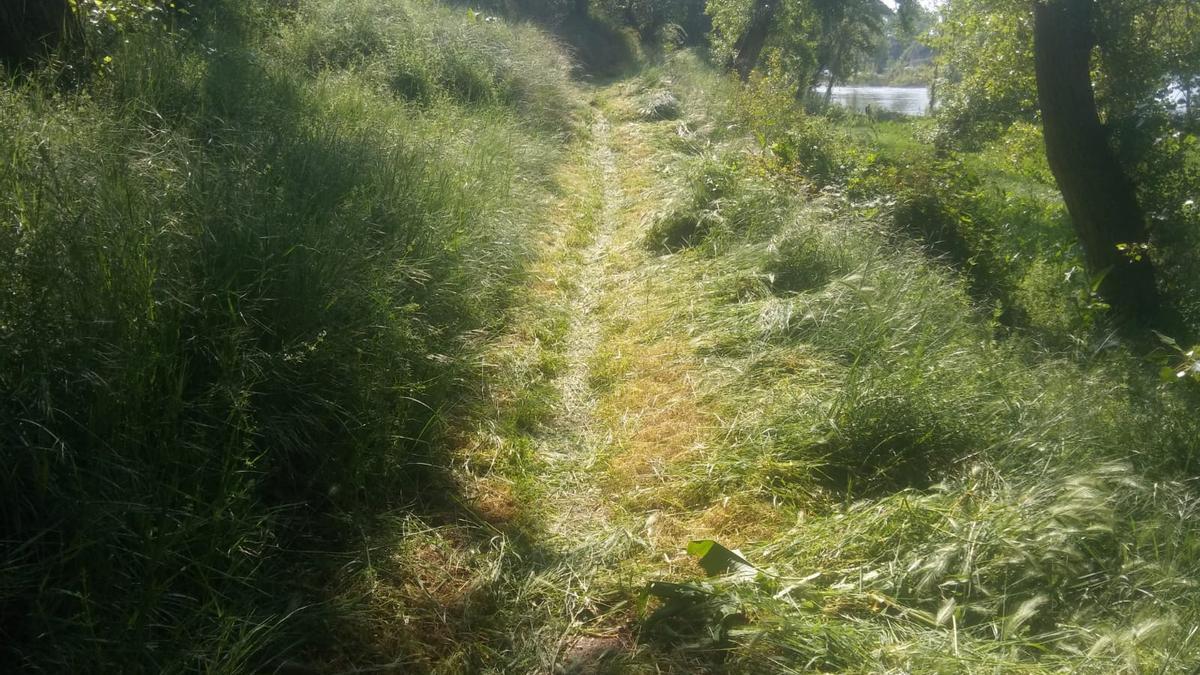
598,396
573,440
578,462
583,519
579,517
609,397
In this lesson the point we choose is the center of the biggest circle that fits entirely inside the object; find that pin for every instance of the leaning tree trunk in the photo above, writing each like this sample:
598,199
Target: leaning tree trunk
933,83
835,64
750,45
30,28
1099,196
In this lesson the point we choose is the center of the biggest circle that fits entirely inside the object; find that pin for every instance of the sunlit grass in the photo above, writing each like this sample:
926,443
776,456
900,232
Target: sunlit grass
923,496
343,344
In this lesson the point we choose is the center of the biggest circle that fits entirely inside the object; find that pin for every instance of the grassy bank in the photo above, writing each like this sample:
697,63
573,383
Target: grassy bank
915,481
248,263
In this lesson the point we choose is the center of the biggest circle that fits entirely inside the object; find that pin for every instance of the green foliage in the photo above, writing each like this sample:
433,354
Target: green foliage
987,50
849,31
242,282
1168,175
993,215
903,57
809,41
811,149
1019,151
964,495
730,19
119,14
938,202
790,50
1143,46
426,54
1142,59
653,19
806,144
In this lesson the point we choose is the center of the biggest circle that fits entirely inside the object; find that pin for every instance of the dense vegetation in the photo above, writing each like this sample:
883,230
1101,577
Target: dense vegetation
984,477
344,334
247,261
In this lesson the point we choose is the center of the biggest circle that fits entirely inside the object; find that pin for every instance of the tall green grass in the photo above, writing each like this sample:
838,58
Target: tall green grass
244,272
965,497
422,54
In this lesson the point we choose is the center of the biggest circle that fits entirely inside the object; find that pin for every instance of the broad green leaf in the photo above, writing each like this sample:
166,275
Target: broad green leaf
717,560
1167,340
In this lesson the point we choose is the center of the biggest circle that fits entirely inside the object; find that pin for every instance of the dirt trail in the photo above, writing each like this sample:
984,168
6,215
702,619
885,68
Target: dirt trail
577,510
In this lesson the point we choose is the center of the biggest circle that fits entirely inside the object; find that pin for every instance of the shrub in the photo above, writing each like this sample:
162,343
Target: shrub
659,104
696,206
802,260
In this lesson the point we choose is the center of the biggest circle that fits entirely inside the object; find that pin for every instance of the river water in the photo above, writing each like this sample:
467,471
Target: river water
906,100
915,100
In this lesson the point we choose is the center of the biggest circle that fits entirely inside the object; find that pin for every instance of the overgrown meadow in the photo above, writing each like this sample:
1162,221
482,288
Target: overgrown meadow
351,335
246,264
981,471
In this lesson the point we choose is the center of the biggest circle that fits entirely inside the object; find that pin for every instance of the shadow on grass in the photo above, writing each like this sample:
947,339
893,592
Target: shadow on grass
227,324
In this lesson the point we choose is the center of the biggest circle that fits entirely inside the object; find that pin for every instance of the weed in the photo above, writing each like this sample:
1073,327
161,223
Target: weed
800,259
659,104
695,209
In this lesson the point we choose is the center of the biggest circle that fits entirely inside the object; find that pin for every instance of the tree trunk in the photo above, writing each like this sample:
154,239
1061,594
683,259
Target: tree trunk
933,83
817,74
750,45
807,89
1099,196
29,28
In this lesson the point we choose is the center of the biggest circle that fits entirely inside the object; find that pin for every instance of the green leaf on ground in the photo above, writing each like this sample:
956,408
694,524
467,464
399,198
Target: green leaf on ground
717,560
